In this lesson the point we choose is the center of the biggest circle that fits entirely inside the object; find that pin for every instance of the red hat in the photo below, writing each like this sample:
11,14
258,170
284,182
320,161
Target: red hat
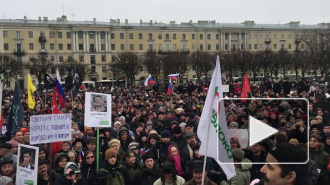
25,130
270,114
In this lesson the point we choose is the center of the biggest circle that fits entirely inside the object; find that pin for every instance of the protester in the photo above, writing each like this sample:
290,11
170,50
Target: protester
169,176
73,175
44,174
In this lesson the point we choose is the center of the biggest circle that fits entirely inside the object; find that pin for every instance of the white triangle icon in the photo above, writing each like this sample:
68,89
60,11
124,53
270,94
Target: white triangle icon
259,131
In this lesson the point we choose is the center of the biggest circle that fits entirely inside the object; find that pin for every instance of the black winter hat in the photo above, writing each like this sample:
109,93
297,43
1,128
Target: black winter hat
147,155
285,152
177,130
6,146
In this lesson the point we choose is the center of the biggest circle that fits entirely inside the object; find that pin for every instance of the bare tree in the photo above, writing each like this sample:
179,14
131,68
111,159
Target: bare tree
175,63
72,65
202,63
10,67
39,66
255,64
127,63
153,63
227,63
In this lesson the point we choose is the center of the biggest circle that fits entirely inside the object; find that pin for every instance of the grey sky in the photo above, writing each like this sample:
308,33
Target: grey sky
225,11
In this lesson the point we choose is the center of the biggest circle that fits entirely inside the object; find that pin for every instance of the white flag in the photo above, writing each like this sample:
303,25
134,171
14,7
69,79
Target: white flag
58,76
218,126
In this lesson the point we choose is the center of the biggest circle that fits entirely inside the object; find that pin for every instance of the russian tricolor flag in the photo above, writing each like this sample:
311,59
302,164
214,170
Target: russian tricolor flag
60,94
173,76
149,81
170,89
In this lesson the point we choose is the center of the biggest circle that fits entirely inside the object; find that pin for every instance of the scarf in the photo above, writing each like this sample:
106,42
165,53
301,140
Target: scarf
177,160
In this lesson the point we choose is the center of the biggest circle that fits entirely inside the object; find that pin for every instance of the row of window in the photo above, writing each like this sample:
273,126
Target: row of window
267,36
42,34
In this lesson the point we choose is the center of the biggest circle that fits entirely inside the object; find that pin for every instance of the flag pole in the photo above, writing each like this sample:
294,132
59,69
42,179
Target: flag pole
207,145
71,99
50,162
97,148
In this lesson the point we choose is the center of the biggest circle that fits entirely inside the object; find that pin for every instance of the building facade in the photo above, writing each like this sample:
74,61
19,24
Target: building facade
98,43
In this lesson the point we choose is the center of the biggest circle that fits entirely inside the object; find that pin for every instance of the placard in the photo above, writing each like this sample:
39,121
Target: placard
97,110
242,136
27,164
50,128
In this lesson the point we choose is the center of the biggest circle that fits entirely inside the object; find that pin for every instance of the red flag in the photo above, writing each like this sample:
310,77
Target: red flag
1,119
246,88
55,107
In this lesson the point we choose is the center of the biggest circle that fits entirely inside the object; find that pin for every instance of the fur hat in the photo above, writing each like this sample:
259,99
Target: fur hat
114,141
110,153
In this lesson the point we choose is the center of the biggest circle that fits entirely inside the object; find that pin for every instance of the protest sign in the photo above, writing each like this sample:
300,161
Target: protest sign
27,164
241,135
225,88
97,110
50,128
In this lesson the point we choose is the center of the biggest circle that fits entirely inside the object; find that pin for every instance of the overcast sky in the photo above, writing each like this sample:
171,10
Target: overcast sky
224,11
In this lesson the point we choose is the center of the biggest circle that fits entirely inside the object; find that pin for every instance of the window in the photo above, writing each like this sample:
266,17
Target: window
193,36
242,36
160,36
217,36
59,35
102,47
31,46
302,46
260,36
102,35
60,46
5,34
68,46
249,46
255,36
140,36
113,47
267,36
193,47
80,34
30,34
174,36
68,35
282,46
70,58
122,47
289,46
174,46
93,61
113,58
51,46
52,58
93,69
249,36
150,36
131,36
261,46
104,69
91,35
201,47
275,46
42,46
122,36
112,35
81,58
255,46
282,36
184,47
18,34
61,58
217,46
208,36
167,36
209,47
226,46
167,47
242,46
81,47
131,46
103,58
289,36
234,47
184,36
226,35
140,46
51,34
233,36
160,47
201,36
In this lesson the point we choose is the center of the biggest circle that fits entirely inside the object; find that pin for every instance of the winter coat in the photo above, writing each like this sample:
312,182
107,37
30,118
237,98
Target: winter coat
179,181
255,169
131,171
277,88
56,179
287,87
81,181
312,173
322,159
163,151
181,142
206,182
88,171
147,177
242,176
105,173
302,137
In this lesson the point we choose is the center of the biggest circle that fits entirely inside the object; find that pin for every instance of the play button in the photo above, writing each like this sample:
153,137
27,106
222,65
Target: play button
259,131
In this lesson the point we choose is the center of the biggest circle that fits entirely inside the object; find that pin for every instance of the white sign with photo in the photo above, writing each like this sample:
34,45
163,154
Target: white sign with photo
27,164
242,136
97,110
50,128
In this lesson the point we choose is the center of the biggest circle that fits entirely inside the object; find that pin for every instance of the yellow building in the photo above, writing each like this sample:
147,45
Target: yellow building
97,43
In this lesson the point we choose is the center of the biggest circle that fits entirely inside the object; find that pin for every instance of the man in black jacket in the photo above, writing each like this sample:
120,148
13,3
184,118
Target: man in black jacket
286,87
43,174
256,154
149,172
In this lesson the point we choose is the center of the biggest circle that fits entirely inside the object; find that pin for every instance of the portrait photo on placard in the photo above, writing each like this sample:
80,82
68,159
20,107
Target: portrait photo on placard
98,103
27,158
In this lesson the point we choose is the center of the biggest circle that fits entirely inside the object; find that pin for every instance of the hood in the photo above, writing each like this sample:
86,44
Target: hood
246,164
71,165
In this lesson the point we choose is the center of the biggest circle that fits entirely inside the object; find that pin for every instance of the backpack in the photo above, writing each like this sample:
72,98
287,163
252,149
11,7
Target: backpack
117,180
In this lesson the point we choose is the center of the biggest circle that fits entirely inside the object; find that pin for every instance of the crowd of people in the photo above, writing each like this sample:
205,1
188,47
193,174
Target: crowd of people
153,137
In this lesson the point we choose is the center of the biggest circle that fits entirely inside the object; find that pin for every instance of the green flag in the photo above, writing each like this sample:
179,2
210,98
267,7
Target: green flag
16,116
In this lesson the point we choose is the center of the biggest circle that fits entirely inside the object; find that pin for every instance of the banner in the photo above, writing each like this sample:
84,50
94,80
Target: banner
97,110
241,135
50,128
27,164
